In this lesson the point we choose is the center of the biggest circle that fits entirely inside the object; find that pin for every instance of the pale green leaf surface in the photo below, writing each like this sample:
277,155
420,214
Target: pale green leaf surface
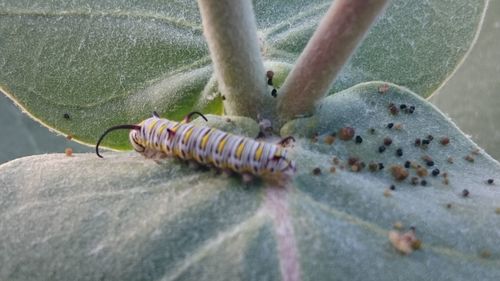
112,62
127,218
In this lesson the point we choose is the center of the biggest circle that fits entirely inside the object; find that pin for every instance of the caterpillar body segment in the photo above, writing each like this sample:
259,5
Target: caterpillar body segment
159,138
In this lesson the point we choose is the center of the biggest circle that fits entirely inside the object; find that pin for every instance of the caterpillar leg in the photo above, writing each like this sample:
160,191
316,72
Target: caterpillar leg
247,177
285,142
155,114
187,119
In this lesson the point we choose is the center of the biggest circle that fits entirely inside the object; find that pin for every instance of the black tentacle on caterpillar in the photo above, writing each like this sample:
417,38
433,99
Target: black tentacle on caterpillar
159,138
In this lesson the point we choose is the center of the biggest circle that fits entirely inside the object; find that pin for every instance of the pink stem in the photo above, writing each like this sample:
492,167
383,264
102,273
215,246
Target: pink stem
337,36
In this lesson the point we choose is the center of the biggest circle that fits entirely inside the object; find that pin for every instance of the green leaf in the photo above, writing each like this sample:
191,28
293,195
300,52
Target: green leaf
470,97
127,218
113,62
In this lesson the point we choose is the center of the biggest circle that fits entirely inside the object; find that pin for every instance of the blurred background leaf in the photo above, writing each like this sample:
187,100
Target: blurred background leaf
111,62
472,96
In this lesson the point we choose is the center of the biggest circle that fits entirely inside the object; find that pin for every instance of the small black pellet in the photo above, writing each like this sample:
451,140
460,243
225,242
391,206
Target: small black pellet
381,148
490,181
392,187
423,182
435,172
274,93
412,109
390,125
403,106
407,164
380,166
429,163
426,142
66,116
359,139
430,137
399,152
418,142
465,193
270,81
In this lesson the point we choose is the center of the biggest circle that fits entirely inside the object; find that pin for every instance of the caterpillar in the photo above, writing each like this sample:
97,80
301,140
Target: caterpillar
159,138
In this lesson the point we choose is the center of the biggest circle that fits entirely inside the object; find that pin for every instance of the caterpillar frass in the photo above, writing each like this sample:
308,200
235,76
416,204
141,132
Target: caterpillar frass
159,138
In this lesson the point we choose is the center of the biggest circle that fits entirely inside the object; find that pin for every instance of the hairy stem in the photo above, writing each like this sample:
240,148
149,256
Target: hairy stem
338,34
231,32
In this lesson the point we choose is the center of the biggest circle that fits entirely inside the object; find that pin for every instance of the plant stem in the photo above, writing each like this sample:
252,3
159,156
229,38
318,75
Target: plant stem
231,32
338,34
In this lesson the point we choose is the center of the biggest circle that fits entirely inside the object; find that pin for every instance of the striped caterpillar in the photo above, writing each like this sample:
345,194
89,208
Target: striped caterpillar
159,138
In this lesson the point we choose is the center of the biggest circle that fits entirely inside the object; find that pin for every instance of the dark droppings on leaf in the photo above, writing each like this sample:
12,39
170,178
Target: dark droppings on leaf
359,139
423,182
399,152
387,141
422,172
418,142
329,139
270,74
274,93
380,166
373,167
390,125
393,109
399,172
445,141
371,131
469,158
352,160
435,172
316,171
66,116
336,160
490,181
414,180
392,187
381,148
448,206
465,193
407,164
346,133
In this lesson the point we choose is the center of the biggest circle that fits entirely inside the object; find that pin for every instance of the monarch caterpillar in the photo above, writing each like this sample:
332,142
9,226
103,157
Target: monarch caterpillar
159,138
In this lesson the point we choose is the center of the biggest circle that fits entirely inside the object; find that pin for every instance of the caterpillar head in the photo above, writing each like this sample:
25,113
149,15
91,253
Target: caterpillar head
136,140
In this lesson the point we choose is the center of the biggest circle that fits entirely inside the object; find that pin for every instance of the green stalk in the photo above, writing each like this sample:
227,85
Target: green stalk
231,32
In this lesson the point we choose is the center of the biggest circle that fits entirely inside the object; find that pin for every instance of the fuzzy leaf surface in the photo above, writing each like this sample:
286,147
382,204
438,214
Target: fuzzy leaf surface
127,218
112,62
